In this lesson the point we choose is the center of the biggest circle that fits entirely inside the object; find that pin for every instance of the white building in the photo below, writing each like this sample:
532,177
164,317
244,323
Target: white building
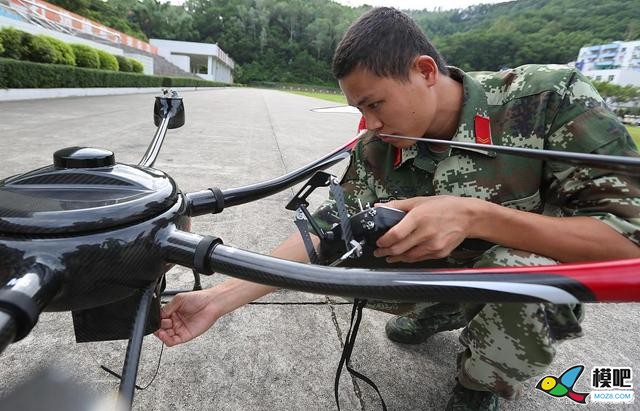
206,60
617,62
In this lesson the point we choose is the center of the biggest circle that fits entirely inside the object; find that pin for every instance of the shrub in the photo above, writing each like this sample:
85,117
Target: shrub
107,61
26,74
124,64
65,53
15,43
1,47
137,66
42,51
86,56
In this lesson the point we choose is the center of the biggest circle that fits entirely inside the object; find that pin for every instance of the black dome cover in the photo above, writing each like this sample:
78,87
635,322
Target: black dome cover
86,196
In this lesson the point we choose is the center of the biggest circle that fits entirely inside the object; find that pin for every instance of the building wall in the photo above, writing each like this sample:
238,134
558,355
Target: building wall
184,54
617,62
33,29
184,62
622,77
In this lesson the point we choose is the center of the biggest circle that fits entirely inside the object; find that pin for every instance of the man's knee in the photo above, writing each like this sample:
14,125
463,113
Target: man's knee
506,344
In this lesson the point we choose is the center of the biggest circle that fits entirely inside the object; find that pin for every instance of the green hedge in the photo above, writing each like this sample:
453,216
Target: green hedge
65,54
107,61
15,43
136,66
25,74
86,56
40,50
124,64
20,45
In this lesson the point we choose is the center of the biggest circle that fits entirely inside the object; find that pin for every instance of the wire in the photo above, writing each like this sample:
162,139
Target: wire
118,376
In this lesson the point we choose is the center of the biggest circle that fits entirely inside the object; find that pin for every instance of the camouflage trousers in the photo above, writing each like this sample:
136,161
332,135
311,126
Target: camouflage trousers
504,344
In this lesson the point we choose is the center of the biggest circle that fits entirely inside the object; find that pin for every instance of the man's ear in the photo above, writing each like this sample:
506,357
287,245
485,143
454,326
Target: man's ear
426,66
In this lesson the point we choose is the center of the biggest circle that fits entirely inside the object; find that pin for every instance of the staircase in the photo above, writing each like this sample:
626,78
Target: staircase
163,67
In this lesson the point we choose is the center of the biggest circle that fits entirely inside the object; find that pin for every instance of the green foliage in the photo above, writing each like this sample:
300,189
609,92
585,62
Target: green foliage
136,66
107,61
294,40
615,93
1,47
15,43
634,131
491,37
25,74
64,52
41,50
336,98
86,56
124,64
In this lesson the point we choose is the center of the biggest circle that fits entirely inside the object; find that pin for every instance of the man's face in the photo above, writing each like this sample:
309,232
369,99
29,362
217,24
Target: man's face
391,106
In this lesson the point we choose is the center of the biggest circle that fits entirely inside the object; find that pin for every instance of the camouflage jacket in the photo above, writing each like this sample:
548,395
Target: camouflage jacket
532,106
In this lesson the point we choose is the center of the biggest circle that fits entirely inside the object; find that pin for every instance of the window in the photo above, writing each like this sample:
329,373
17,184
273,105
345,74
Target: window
598,78
611,76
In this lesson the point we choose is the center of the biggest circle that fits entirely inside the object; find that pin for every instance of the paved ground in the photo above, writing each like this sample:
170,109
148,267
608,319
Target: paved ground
280,353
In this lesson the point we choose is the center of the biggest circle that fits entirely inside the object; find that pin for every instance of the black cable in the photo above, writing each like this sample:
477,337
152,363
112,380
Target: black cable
349,342
137,387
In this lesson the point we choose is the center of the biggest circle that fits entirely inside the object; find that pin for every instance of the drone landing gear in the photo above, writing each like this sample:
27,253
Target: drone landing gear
196,286
132,357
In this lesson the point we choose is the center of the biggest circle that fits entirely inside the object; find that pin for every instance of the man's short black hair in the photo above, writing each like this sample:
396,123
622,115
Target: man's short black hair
384,41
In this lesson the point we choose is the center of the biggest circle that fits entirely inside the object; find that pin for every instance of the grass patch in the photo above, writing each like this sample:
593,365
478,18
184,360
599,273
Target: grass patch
336,98
635,134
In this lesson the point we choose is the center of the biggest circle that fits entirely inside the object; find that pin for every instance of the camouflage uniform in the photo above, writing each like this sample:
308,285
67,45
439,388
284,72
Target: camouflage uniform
533,106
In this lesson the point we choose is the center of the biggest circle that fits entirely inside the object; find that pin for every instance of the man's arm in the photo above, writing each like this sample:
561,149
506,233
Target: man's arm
234,293
190,314
434,226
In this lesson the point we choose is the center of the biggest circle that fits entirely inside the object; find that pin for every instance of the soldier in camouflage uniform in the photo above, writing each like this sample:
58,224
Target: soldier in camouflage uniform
529,212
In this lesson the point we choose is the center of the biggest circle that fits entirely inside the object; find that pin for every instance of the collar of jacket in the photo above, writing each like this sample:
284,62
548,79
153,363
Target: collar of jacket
474,104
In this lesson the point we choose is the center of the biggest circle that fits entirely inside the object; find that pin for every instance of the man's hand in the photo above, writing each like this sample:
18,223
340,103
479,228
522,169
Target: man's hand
187,316
433,228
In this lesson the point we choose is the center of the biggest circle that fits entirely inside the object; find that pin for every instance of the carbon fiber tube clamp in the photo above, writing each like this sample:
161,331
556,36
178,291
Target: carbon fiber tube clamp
24,310
200,257
209,201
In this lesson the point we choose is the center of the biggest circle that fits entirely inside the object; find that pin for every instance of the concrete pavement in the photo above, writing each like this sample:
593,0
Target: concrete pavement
281,352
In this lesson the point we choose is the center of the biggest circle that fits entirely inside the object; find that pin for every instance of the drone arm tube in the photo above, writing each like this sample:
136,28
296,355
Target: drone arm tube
568,283
214,200
611,281
8,329
23,298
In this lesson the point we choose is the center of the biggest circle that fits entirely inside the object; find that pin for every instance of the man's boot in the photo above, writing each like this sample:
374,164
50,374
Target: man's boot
430,321
464,399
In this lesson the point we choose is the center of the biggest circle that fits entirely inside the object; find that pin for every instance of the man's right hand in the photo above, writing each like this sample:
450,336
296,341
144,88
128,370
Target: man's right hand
187,316
190,314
